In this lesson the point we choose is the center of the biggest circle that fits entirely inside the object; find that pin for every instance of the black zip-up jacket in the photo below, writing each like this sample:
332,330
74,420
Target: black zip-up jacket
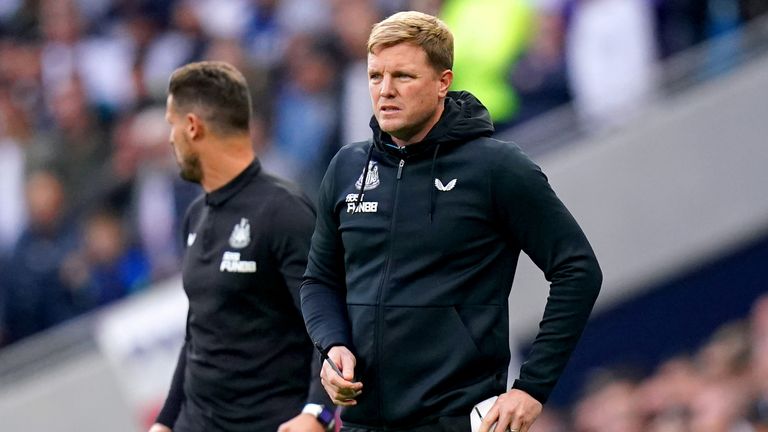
414,275
245,365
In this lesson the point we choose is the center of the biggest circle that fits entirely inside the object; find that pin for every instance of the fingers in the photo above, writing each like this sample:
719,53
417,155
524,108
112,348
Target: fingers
341,389
489,420
347,363
514,411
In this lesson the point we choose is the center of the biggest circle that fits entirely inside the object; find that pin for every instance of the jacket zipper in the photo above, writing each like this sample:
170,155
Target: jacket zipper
377,329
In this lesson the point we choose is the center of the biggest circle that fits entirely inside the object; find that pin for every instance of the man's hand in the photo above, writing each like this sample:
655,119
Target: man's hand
157,427
301,423
341,389
514,410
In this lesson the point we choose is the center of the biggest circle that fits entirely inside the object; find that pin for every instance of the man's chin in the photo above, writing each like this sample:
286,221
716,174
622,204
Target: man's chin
192,177
190,169
389,125
397,133
394,132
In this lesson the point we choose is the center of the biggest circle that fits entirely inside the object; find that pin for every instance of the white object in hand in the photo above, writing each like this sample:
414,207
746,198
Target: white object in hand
479,411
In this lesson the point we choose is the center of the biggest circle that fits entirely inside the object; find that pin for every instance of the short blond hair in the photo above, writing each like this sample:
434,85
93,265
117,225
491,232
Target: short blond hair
420,29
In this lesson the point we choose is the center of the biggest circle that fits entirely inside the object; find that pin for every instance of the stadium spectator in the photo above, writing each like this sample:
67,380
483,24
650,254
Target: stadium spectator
719,407
76,147
485,58
759,344
304,100
261,81
36,297
353,21
726,355
106,267
273,23
550,420
15,133
3,302
540,75
609,405
663,397
20,76
103,62
181,42
611,59
720,388
264,39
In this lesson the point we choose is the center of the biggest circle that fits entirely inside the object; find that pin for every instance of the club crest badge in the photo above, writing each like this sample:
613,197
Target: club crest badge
241,234
371,180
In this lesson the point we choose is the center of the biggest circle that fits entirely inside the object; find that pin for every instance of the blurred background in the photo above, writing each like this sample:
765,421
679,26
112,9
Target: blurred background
650,118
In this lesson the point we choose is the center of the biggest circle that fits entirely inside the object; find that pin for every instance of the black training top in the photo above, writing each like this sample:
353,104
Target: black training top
245,365
412,261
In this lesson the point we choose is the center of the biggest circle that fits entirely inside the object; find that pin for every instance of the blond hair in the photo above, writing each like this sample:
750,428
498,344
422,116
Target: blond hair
420,29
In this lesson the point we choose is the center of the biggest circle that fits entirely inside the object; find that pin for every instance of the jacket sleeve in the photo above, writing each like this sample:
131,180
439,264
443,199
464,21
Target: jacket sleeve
323,292
294,224
172,406
170,411
534,218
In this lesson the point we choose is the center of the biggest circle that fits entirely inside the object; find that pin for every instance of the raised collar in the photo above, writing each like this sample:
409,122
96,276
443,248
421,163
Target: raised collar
222,194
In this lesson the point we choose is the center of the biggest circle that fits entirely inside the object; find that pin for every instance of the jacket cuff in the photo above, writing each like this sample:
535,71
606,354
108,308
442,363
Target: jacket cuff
327,347
537,391
166,419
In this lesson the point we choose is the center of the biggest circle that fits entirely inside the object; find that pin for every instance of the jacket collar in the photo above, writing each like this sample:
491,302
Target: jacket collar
221,195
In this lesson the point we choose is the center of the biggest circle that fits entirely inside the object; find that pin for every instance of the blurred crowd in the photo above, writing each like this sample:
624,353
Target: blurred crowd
90,199
720,387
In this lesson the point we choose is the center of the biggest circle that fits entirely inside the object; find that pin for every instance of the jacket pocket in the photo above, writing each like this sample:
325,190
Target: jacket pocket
487,326
437,360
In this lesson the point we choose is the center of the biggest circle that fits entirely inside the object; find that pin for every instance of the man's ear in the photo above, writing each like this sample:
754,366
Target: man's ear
446,78
195,126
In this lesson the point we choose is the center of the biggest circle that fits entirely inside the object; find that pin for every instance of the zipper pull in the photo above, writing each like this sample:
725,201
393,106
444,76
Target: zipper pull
400,169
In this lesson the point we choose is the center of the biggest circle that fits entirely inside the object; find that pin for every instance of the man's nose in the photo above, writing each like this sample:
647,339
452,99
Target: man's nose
387,88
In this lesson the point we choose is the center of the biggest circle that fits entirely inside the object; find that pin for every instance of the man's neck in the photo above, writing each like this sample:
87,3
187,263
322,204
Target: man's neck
227,158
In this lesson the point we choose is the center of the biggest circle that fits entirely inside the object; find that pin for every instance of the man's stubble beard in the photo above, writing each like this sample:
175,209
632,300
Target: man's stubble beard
191,169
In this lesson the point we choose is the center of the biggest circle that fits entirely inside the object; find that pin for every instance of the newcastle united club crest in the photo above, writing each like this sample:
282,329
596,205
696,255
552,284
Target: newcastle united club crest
241,234
371,180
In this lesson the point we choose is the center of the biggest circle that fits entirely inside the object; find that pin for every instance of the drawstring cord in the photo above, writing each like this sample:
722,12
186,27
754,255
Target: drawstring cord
432,186
359,198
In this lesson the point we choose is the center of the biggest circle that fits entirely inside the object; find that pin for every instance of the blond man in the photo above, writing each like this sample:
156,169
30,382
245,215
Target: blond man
416,241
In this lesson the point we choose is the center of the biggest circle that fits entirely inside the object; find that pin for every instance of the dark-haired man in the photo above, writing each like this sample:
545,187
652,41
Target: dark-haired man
246,361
